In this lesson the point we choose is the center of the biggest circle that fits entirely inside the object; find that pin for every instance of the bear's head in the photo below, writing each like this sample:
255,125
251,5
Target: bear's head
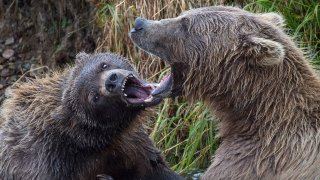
104,93
202,44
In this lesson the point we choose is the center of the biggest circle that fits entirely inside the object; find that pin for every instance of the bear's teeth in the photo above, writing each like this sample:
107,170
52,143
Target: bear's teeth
125,81
122,89
149,99
125,94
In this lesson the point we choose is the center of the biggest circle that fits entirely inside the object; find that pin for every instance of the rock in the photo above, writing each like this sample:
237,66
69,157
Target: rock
1,98
12,65
1,86
8,53
26,66
33,73
2,60
8,92
1,67
9,41
12,58
5,72
13,78
2,23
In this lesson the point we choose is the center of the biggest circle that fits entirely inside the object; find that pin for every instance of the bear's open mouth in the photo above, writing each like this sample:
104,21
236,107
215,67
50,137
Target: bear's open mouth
137,92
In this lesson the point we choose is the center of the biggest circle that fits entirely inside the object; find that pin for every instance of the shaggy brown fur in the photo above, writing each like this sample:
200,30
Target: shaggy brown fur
256,82
53,129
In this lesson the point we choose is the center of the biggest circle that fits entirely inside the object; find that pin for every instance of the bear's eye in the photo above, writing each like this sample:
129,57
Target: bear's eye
96,98
104,66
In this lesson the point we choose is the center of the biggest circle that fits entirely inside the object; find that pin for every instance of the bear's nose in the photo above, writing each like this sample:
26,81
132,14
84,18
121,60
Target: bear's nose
112,82
113,77
139,23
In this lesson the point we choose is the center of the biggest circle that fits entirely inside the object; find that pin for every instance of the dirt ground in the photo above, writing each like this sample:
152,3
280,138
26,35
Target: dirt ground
39,36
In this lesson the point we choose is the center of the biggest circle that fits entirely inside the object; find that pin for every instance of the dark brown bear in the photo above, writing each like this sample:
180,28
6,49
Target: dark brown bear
80,123
253,78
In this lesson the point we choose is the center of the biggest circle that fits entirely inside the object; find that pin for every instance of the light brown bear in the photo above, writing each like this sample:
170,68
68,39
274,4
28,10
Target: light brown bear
254,79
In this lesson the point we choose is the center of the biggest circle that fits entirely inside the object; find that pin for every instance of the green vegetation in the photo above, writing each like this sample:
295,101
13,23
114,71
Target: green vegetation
302,21
187,133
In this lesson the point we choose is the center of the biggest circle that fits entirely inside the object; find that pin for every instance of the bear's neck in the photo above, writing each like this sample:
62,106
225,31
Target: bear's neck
99,137
267,115
261,101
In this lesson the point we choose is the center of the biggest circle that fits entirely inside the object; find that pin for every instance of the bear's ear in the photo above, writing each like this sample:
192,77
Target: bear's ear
263,52
81,57
273,18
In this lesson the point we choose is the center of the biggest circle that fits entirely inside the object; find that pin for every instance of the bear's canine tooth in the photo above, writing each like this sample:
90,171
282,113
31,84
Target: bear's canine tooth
149,99
125,94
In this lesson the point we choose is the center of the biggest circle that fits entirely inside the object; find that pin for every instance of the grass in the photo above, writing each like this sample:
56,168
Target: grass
302,20
186,133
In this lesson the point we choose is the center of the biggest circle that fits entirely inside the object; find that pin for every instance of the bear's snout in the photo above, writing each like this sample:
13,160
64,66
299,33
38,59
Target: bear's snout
111,82
139,24
114,80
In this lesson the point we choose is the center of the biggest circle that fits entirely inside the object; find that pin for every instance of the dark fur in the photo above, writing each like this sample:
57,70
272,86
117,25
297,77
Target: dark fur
52,130
254,79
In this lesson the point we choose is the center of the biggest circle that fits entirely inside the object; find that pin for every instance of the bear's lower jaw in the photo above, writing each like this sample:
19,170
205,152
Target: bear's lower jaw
164,88
171,84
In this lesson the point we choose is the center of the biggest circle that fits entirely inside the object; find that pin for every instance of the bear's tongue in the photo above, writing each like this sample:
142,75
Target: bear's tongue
136,91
